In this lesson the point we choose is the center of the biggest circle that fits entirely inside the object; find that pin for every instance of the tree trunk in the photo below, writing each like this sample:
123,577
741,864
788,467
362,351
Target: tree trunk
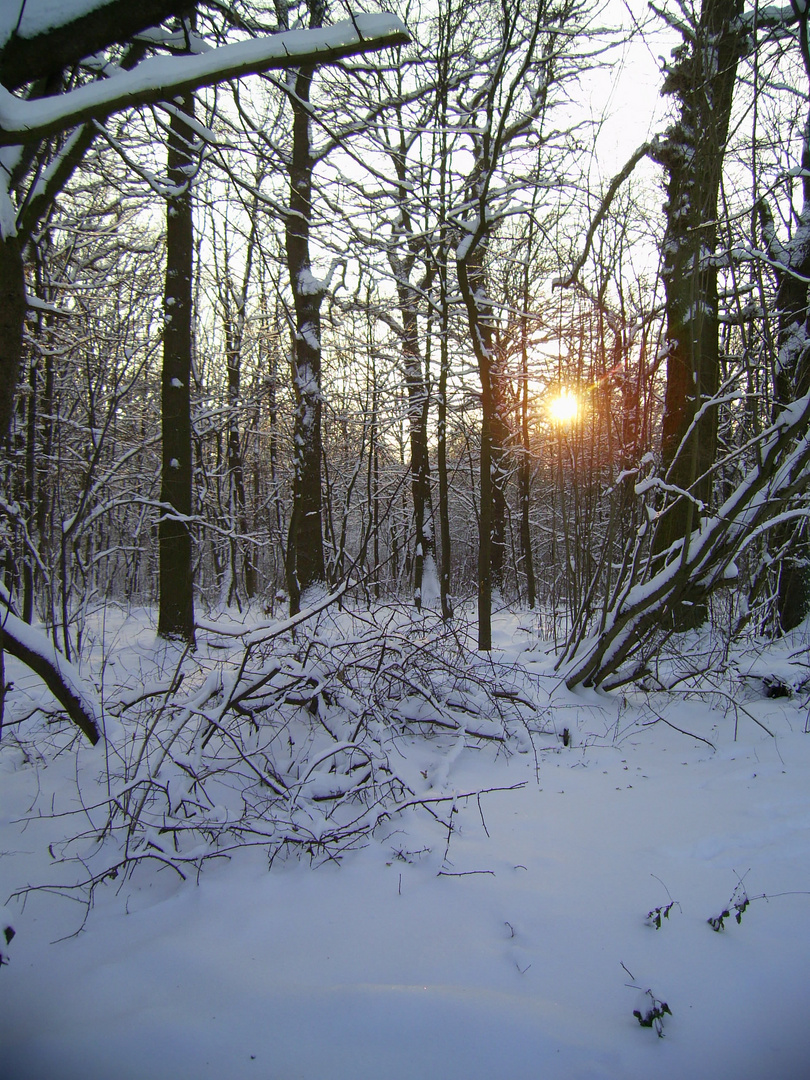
12,315
237,504
176,615
32,648
441,447
791,265
402,265
305,556
491,521
703,80
525,469
424,537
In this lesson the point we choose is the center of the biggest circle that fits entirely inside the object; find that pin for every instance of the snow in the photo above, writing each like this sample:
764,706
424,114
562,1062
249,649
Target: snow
431,589
309,285
516,946
32,17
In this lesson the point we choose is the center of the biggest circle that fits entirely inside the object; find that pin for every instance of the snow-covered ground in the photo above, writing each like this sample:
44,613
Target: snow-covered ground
516,947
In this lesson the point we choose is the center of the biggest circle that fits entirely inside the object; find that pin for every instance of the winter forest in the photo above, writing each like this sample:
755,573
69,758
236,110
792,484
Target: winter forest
404,420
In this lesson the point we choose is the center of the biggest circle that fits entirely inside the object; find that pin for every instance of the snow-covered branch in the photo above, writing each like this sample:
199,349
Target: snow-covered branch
32,648
159,78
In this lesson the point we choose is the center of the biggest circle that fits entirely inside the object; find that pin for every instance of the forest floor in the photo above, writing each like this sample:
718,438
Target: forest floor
516,945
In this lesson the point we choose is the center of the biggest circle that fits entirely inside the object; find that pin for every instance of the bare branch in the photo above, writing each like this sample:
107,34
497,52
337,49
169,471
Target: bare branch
617,181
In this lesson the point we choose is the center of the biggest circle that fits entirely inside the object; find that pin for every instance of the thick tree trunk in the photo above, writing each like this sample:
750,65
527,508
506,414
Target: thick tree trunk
703,80
791,264
305,556
12,315
176,615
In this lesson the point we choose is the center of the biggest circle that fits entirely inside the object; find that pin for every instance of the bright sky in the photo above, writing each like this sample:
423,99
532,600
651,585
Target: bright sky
629,90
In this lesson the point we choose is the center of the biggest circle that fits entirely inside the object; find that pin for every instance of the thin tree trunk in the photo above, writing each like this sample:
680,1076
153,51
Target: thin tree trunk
525,469
424,539
472,282
415,382
236,473
441,456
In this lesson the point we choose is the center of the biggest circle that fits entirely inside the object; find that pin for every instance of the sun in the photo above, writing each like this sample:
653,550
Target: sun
564,408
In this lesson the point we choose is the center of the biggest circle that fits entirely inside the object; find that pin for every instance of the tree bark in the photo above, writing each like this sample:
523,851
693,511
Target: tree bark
441,443
26,59
305,555
494,433
12,315
176,614
32,648
424,538
525,467
791,380
703,80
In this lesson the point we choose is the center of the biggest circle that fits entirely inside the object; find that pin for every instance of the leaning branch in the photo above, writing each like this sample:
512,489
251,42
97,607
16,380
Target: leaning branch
604,206
705,556
165,77
32,648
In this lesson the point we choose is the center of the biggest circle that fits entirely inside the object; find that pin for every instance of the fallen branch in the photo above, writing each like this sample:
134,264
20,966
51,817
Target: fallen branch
32,648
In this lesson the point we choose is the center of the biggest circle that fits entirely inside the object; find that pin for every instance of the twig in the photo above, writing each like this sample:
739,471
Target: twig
690,734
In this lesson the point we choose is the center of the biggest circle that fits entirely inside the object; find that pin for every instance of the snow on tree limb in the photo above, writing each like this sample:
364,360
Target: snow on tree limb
699,563
160,78
32,648
38,37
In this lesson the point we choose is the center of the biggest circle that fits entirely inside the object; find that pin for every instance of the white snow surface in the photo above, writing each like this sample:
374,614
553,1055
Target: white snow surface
497,954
